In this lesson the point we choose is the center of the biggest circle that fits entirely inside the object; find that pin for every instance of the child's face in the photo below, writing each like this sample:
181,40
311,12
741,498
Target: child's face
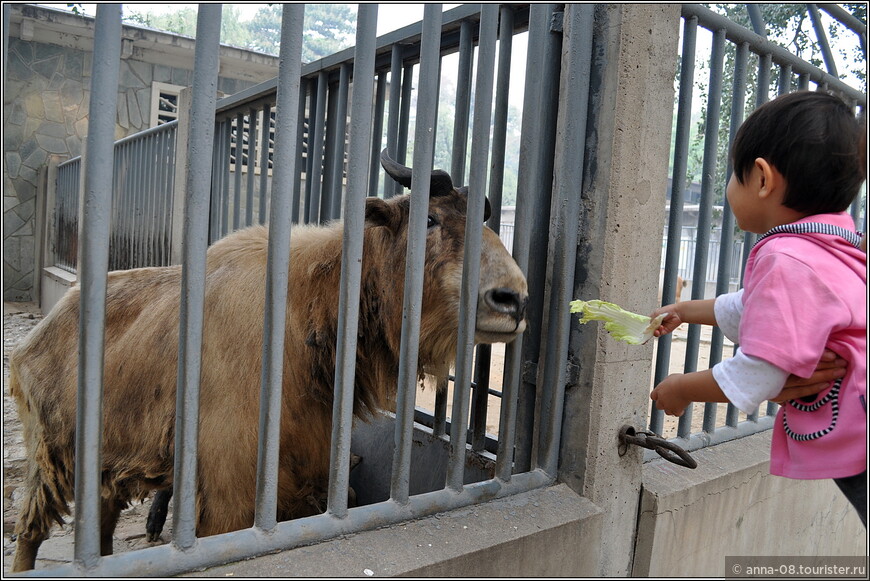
744,202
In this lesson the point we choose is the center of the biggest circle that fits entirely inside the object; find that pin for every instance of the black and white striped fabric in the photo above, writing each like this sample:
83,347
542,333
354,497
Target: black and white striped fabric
814,228
833,397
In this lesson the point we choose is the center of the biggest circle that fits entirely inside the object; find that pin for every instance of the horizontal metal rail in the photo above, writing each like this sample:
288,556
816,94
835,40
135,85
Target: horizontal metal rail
762,46
167,559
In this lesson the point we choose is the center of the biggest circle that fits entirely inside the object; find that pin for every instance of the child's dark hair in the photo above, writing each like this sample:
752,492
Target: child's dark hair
813,139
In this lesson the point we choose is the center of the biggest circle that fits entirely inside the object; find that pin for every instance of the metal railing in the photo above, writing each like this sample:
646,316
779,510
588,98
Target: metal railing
66,214
142,208
777,71
142,202
216,201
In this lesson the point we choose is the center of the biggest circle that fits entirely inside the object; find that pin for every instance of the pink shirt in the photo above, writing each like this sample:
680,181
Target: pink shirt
804,293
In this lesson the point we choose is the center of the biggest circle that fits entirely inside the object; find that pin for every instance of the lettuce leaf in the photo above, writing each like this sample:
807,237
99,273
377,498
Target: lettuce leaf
623,325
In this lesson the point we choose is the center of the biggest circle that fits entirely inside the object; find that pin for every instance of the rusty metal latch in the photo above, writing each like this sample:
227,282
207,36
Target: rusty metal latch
667,450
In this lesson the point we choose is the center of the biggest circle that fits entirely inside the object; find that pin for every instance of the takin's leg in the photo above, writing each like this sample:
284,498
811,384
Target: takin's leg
44,504
110,512
26,548
40,510
157,514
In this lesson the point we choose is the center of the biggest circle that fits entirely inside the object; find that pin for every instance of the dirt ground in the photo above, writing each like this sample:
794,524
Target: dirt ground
20,318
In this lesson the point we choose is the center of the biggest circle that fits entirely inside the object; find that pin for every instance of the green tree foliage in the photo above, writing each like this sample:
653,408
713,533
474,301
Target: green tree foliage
265,29
788,25
328,28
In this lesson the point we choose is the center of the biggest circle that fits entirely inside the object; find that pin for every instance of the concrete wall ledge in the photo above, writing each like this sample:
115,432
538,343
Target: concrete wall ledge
691,520
546,532
55,283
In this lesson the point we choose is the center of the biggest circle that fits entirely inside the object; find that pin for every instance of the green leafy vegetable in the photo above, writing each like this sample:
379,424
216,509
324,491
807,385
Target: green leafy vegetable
623,325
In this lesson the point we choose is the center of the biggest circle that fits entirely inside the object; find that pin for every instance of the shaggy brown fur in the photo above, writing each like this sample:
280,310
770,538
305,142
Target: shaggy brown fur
141,360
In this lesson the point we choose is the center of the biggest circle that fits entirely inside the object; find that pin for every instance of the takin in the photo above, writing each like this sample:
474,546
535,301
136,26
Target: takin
141,358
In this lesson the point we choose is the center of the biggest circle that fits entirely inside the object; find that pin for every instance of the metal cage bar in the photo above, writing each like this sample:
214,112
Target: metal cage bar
421,170
705,213
483,94
277,273
193,274
351,259
93,264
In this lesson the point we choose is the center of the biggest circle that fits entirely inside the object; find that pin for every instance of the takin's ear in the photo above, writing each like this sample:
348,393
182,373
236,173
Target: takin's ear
381,213
487,208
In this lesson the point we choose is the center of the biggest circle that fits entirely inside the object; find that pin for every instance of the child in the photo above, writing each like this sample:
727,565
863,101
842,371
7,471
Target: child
797,168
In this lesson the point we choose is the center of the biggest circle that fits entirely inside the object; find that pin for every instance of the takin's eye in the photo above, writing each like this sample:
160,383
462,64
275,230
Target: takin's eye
433,221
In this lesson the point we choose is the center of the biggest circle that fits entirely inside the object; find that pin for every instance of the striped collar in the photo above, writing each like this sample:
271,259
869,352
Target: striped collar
814,228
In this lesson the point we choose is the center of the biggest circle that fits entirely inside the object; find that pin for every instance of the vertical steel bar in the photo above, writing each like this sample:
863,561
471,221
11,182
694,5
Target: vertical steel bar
237,181
508,409
117,184
803,82
93,268
726,246
153,193
483,92
251,165
266,130
404,121
439,424
310,117
377,133
462,107
352,256
535,181
141,150
227,161
579,20
822,39
300,154
315,151
206,63
214,205
333,209
756,19
483,361
675,217
394,112
705,212
784,79
424,146
171,187
277,273
161,192
130,198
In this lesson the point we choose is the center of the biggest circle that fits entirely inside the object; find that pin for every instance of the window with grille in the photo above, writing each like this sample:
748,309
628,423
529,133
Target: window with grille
164,103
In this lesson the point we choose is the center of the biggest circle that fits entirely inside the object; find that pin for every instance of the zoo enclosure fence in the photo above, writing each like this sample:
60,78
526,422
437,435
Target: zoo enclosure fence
213,202
238,194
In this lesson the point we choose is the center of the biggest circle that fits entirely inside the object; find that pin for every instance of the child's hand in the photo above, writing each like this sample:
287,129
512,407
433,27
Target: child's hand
669,396
671,321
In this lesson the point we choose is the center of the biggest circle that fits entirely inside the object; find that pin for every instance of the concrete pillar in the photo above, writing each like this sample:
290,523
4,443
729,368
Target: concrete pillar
618,256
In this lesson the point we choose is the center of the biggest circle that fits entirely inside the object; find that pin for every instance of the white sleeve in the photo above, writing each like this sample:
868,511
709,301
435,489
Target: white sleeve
728,309
748,381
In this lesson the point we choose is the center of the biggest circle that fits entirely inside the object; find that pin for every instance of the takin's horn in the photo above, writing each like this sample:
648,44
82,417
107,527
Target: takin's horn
440,185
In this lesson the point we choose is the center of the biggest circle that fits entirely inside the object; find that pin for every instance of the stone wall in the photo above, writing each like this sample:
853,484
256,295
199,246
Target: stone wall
46,99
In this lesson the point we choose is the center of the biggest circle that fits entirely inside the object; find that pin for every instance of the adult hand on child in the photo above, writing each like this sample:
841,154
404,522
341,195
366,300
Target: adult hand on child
830,368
